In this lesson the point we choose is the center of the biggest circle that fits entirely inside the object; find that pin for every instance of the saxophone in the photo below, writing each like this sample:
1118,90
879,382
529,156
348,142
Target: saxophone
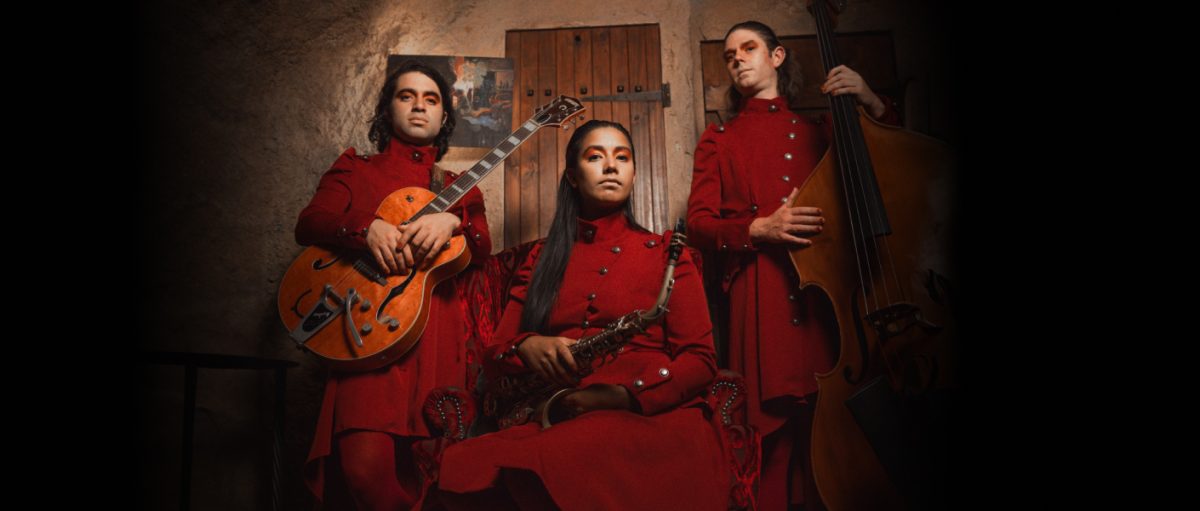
516,399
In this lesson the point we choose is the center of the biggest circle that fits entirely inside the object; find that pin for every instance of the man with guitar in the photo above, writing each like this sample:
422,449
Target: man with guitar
743,182
370,419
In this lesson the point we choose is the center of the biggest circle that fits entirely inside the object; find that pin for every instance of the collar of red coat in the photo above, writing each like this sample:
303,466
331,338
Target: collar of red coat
419,154
763,105
606,228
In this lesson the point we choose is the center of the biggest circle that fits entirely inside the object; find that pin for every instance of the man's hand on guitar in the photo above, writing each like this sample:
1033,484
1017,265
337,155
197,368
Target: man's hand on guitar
382,239
424,237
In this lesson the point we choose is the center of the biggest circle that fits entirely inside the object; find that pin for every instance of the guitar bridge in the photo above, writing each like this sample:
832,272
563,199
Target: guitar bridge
322,314
898,318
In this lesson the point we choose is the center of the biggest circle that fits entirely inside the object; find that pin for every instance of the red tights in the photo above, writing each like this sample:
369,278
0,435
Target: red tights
379,470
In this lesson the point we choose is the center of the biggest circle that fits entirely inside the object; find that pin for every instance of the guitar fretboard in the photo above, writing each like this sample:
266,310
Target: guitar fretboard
476,173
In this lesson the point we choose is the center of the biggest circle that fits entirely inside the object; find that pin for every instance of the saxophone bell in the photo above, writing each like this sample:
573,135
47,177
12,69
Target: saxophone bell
552,412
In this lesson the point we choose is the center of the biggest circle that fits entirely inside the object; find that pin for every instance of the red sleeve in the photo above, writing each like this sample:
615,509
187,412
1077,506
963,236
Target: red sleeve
891,115
706,229
688,335
327,220
473,222
508,336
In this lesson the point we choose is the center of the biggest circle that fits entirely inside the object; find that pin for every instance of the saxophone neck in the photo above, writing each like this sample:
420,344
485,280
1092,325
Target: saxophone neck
678,241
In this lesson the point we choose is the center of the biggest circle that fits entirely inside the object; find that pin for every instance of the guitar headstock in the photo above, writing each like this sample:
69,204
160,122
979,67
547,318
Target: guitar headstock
558,112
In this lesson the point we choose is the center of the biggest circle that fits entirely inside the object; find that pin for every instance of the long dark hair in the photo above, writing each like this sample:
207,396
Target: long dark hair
552,263
789,81
381,124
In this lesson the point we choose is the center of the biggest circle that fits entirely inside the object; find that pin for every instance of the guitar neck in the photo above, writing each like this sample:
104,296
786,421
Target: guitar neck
449,196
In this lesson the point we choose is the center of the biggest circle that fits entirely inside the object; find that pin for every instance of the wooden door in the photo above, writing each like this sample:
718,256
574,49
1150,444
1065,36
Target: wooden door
620,66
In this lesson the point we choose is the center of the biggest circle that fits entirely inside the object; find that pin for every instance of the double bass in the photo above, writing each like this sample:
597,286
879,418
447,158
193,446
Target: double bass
879,430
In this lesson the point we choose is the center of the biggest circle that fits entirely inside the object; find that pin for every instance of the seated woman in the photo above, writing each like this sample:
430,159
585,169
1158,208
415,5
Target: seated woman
640,437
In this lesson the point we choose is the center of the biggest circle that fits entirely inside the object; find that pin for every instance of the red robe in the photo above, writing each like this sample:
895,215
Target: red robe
779,337
667,457
388,399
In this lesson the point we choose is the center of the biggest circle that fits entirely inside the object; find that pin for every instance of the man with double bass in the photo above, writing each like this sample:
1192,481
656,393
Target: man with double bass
744,176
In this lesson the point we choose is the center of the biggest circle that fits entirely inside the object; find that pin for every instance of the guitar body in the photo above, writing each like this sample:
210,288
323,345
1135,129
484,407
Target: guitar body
386,314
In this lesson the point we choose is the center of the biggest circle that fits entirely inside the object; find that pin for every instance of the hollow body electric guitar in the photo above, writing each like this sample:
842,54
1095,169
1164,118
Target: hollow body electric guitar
341,306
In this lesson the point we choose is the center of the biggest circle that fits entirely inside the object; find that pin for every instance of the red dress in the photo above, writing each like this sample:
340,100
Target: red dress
389,399
667,457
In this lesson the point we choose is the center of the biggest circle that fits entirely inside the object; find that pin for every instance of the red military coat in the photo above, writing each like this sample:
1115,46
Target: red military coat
667,457
779,337
388,399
